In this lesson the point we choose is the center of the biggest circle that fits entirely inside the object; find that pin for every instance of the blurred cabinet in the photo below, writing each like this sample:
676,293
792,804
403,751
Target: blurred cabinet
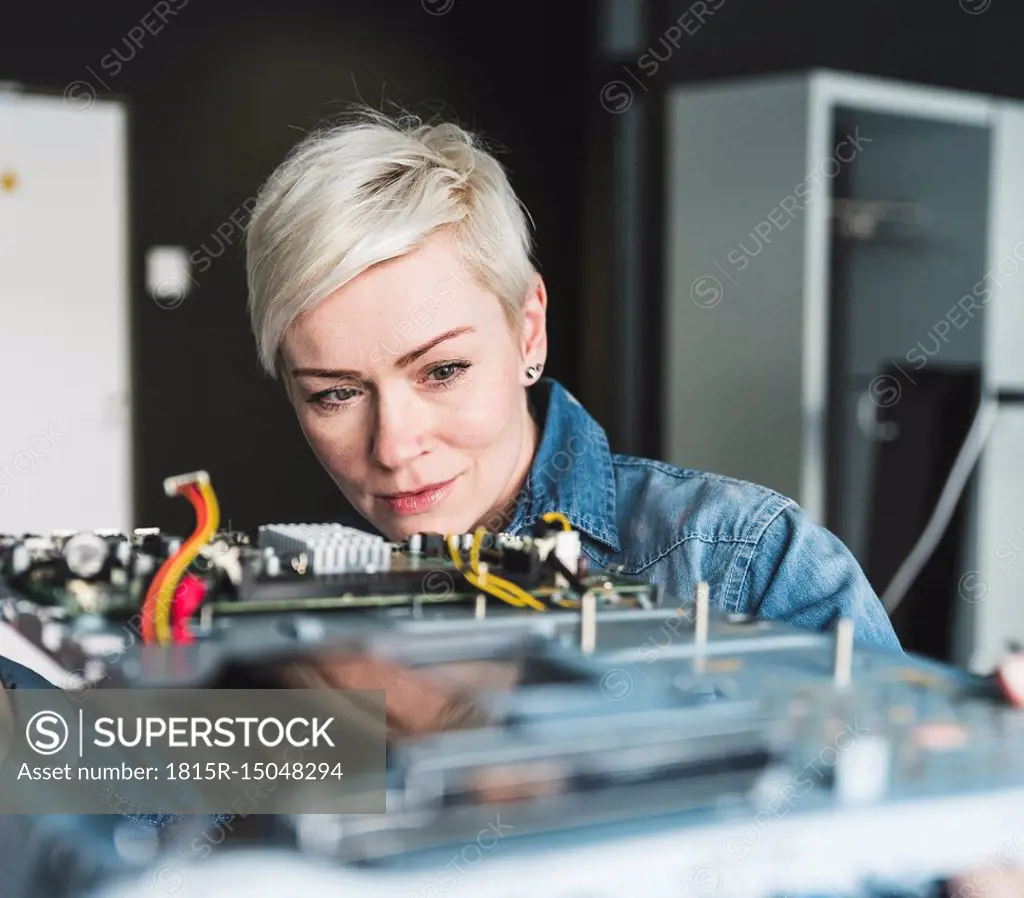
822,226
65,428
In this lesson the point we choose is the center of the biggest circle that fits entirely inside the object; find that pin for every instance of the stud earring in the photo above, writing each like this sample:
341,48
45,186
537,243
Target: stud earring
533,371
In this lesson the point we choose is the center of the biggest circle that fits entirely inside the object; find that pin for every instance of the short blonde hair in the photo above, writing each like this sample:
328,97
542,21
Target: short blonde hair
371,189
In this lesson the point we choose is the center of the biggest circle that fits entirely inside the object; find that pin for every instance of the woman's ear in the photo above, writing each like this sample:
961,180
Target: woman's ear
534,332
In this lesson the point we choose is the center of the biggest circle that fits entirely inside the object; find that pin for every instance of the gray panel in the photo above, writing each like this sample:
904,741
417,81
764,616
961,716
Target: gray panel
734,298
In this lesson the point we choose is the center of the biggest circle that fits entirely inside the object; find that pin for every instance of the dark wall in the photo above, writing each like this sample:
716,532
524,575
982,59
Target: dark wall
930,41
218,95
227,86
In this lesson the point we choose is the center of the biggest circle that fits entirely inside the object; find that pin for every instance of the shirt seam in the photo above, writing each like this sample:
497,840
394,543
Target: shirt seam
789,503
686,538
633,461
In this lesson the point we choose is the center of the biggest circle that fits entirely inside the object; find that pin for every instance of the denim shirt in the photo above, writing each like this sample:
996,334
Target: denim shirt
674,527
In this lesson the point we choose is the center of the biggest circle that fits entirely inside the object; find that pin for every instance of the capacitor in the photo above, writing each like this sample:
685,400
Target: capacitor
19,559
119,547
85,555
153,542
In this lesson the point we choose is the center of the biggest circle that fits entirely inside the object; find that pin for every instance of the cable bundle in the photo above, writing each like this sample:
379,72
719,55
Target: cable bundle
485,581
490,583
156,609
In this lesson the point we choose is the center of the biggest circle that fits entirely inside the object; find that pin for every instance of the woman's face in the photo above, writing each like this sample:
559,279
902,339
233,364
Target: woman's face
409,386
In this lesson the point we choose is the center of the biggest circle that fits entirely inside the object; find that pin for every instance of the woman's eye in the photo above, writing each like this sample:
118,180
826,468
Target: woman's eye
332,398
446,374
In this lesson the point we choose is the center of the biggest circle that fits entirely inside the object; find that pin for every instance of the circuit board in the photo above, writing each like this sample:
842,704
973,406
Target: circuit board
88,589
618,736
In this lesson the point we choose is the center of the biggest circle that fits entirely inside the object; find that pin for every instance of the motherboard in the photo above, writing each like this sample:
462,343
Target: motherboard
611,740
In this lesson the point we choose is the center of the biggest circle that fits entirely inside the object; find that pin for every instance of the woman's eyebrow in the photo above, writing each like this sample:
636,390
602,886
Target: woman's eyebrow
406,360
403,361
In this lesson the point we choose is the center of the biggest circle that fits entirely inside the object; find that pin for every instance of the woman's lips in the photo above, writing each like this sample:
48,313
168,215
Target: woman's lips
417,503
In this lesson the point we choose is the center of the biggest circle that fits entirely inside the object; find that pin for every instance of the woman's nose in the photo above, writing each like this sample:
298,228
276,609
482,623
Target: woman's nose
398,432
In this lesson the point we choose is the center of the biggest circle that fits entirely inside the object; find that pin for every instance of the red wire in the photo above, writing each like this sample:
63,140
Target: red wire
195,496
187,599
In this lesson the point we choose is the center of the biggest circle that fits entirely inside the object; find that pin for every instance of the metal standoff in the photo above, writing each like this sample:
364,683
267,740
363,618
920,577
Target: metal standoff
481,607
700,626
844,652
588,622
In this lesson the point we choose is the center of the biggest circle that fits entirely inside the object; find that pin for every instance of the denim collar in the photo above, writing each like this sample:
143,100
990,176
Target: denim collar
572,468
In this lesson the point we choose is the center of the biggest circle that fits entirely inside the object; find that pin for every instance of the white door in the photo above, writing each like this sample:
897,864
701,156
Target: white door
65,429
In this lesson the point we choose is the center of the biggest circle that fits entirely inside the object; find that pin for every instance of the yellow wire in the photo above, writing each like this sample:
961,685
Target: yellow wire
474,579
453,552
499,586
553,516
492,584
474,551
506,585
176,570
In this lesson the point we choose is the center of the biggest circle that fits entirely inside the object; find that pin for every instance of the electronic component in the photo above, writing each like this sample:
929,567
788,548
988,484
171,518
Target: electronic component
328,548
584,702
85,555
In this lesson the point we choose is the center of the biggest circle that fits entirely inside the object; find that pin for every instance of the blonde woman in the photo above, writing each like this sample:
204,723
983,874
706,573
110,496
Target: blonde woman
392,292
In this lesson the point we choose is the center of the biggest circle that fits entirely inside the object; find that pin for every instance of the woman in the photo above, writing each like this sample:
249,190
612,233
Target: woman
392,292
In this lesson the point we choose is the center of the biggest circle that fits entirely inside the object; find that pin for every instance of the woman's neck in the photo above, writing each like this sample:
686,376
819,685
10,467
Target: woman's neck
502,511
